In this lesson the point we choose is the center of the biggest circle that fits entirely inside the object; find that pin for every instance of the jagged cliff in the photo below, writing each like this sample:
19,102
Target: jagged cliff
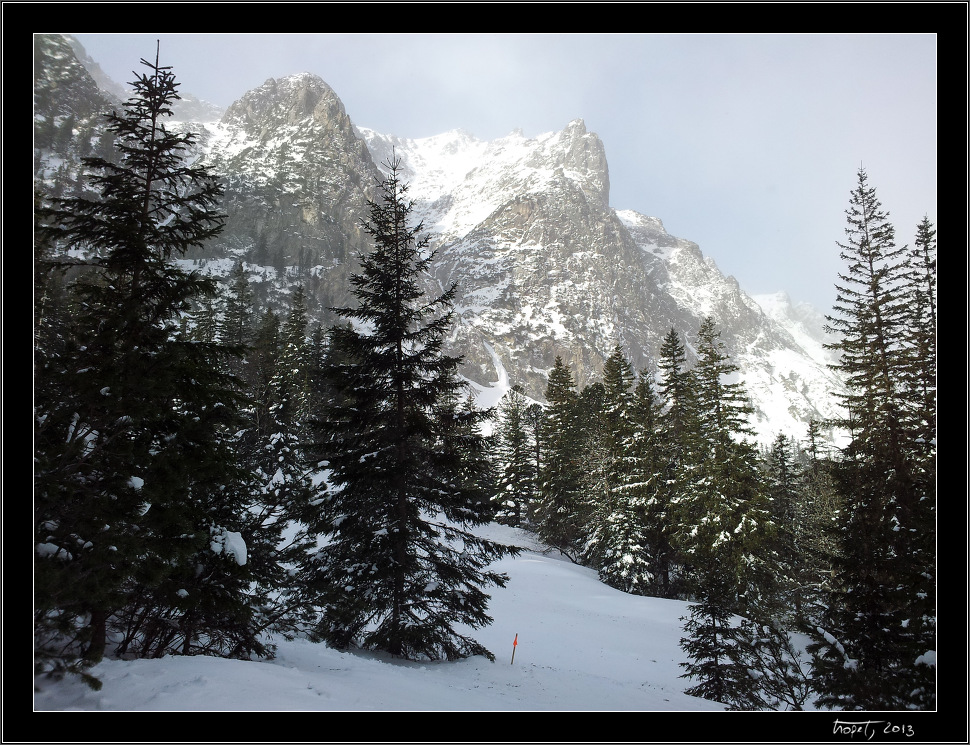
544,265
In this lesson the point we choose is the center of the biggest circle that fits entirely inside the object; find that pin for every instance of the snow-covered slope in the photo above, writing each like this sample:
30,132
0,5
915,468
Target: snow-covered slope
581,646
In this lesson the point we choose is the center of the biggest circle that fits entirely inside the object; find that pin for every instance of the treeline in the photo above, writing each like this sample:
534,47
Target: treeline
652,479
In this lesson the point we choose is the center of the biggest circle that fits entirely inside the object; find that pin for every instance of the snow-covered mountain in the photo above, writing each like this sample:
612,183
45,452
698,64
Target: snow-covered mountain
544,265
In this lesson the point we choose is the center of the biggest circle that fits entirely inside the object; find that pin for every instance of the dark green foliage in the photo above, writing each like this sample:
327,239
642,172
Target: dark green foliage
776,666
134,473
650,500
676,391
559,511
719,502
516,482
875,644
622,540
715,644
724,530
788,517
290,386
401,570
722,406
921,333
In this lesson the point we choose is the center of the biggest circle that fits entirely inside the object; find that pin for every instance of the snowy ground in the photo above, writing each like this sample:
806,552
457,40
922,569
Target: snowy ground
581,647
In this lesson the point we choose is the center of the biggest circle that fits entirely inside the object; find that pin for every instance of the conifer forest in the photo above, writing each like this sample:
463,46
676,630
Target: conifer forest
211,473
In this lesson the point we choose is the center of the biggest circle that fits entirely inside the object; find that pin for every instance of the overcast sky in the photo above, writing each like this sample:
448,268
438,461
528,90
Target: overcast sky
748,145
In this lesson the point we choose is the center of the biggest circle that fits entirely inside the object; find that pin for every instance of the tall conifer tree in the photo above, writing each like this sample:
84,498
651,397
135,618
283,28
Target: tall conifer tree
558,512
515,488
723,530
134,474
619,542
678,430
400,569
876,641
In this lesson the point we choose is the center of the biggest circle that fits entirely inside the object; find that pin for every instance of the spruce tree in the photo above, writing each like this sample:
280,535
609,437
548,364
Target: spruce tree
535,419
559,506
279,519
291,386
678,430
724,530
618,426
819,511
597,478
261,368
515,488
792,528
400,568
722,404
134,473
647,471
619,541
920,293
875,645
236,327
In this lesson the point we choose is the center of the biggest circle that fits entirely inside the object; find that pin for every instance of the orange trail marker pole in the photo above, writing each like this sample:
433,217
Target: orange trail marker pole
515,643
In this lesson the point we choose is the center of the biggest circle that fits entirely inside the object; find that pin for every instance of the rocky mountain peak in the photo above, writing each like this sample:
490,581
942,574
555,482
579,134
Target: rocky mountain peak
296,100
68,116
583,153
545,267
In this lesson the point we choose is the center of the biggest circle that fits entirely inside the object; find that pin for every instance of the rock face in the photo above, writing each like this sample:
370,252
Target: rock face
544,265
297,182
68,105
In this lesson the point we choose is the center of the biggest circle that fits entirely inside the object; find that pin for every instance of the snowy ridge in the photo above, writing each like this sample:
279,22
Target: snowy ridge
457,180
534,275
545,267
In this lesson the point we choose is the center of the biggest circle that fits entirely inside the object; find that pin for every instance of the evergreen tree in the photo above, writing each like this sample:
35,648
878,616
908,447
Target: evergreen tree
291,385
784,496
723,530
875,644
261,368
716,644
515,488
647,482
535,417
677,393
618,542
280,520
237,321
774,663
558,509
204,320
597,477
819,510
921,334
617,422
399,569
134,476
721,403
679,431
